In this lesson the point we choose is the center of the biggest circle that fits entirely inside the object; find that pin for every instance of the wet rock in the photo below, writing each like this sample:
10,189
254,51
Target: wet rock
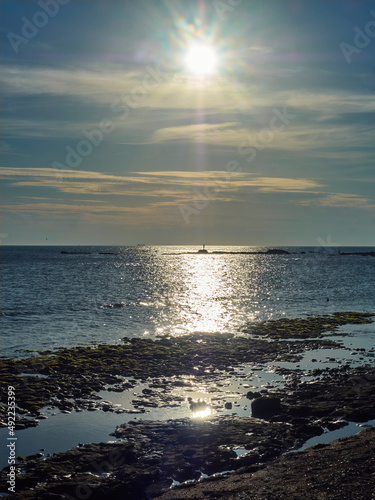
265,407
197,405
361,414
116,389
311,430
25,423
311,327
299,421
178,383
131,411
53,496
338,424
35,456
280,417
185,446
299,411
252,395
339,470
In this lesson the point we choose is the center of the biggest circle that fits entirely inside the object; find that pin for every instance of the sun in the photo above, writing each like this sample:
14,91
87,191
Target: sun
201,59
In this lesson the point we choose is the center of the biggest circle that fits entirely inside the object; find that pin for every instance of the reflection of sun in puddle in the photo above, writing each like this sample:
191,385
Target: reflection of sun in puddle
206,412
200,409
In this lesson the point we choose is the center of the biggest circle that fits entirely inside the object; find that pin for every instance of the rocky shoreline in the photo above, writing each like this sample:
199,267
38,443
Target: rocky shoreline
153,456
341,470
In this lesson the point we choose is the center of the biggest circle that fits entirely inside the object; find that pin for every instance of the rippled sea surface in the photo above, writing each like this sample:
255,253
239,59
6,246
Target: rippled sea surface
102,294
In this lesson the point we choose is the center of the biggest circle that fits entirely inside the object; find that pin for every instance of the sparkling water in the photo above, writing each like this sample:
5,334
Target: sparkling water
51,299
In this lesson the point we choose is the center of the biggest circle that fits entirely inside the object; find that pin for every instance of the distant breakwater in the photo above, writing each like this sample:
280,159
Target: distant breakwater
275,251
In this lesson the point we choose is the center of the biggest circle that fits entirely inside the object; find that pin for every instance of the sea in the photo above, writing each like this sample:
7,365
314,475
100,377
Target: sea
67,296
54,297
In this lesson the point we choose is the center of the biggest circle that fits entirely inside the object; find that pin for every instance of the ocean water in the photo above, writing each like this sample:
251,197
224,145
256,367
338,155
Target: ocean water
102,294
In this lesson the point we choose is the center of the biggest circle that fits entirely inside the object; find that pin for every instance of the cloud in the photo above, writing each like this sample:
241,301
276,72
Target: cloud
146,183
341,200
65,208
319,138
66,81
260,49
139,89
200,132
236,180
147,215
145,88
280,184
328,104
325,123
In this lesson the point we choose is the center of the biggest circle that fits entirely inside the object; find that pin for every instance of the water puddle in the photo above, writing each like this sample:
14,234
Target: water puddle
219,393
60,432
349,430
202,476
174,398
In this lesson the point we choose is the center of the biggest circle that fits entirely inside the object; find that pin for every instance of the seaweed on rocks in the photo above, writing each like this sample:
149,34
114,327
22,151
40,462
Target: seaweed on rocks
155,454
80,372
310,327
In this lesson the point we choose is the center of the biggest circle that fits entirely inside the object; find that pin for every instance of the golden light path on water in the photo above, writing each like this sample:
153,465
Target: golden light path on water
204,282
210,293
206,294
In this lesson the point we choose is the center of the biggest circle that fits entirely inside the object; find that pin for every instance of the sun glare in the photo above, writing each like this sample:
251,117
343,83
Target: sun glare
202,413
201,59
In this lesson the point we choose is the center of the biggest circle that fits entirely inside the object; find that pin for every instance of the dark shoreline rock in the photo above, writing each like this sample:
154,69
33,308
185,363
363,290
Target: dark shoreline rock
80,372
74,253
340,470
153,454
310,327
265,407
362,254
156,451
270,251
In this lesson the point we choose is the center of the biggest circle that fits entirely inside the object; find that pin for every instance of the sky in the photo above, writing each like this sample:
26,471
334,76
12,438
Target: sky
113,132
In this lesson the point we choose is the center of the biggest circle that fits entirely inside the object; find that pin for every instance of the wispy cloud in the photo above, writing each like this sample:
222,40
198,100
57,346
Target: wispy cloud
152,184
175,90
66,81
299,137
328,104
341,200
201,132
65,208
108,85
146,215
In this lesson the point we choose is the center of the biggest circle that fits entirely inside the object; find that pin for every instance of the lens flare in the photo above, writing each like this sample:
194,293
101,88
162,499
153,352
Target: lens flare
201,59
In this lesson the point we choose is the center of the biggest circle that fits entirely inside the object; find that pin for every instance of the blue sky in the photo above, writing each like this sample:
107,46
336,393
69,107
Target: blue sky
108,138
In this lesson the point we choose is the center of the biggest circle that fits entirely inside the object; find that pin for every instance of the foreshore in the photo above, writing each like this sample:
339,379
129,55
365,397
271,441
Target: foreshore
340,470
155,455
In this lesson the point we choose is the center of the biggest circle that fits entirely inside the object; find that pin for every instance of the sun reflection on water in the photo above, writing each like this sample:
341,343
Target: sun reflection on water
202,413
208,293
200,408
204,285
